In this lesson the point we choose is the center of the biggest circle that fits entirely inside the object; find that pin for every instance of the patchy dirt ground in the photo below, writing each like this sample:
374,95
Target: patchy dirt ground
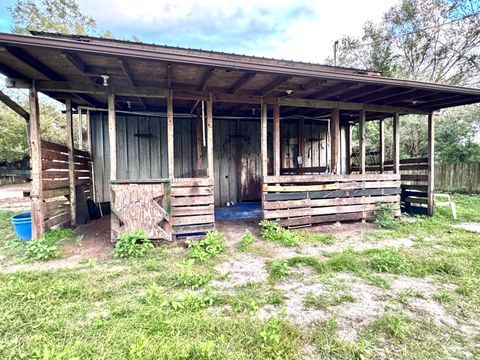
470,226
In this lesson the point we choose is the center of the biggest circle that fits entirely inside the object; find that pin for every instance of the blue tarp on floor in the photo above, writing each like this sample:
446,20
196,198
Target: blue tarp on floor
247,210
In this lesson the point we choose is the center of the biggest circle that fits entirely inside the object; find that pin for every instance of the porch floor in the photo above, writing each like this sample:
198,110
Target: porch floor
246,210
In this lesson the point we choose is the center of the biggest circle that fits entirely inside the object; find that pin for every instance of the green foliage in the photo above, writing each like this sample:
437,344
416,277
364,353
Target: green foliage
13,137
315,237
271,231
46,247
271,333
62,16
192,277
384,215
389,261
209,247
246,241
132,244
277,269
393,324
324,301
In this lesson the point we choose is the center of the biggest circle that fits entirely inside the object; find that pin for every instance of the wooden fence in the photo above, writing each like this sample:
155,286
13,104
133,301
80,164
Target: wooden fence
457,177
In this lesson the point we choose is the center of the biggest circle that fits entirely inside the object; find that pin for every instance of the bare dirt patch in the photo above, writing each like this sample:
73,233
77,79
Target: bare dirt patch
241,270
470,226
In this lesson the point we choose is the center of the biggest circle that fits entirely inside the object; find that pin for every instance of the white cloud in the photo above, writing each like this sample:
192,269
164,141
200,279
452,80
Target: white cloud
297,30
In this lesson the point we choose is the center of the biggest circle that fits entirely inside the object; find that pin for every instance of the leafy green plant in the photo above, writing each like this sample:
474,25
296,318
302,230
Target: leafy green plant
190,277
277,269
271,231
389,261
271,333
324,301
315,237
394,325
46,247
132,244
384,216
210,246
246,241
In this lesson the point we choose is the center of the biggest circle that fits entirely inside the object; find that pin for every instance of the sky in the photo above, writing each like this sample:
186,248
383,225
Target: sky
302,30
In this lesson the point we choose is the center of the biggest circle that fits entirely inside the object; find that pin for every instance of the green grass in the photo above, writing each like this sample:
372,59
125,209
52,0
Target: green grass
166,306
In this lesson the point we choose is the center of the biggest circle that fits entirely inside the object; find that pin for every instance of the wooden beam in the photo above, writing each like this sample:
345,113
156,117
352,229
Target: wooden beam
209,74
169,76
332,90
13,74
7,100
276,138
71,162
361,139
357,93
242,81
325,104
199,141
210,171
76,62
36,189
431,164
35,64
387,95
312,84
396,143
88,99
112,132
279,81
381,130
170,137
348,147
263,141
334,141
79,128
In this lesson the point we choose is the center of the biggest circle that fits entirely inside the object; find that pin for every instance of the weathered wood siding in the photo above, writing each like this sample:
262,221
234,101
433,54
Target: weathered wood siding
457,177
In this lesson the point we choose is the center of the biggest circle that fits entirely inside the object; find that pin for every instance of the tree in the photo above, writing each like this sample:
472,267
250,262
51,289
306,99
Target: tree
62,16
13,137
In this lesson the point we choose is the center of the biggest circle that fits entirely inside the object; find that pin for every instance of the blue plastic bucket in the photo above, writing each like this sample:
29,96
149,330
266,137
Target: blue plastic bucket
22,224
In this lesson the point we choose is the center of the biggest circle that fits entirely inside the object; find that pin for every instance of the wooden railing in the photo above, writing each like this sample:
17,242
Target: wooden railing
310,199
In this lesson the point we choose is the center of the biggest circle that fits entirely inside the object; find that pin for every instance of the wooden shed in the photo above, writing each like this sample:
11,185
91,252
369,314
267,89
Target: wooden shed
174,133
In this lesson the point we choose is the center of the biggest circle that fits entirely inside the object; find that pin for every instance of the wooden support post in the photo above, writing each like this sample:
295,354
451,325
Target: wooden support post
36,189
90,150
80,132
301,140
396,143
263,141
335,141
361,141
348,147
381,131
276,138
170,136
431,163
112,133
71,162
210,136
199,137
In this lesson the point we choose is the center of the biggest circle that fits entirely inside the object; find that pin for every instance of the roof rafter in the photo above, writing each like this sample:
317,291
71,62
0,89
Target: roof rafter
332,90
7,100
209,74
279,81
35,64
127,72
246,77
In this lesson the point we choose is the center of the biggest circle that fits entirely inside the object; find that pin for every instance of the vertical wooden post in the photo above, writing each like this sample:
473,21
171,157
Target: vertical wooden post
381,130
263,140
335,140
276,138
90,150
112,134
210,136
348,147
361,162
170,136
79,125
396,143
71,162
36,189
199,137
431,163
301,140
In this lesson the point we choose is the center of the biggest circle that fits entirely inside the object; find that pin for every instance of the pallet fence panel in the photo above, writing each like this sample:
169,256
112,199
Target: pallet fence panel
192,206
56,183
304,200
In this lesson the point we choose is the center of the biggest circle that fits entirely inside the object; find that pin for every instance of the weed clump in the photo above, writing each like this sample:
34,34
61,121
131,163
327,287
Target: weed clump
246,241
384,216
133,244
274,232
46,247
209,247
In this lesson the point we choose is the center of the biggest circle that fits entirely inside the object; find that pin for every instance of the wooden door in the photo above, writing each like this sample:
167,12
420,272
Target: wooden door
249,161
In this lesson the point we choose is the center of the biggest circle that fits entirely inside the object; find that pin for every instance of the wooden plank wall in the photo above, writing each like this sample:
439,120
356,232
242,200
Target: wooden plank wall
303,200
56,182
457,177
192,206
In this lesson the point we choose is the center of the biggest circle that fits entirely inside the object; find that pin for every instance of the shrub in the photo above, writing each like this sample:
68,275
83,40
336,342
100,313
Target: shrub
210,246
384,215
246,241
132,244
46,247
274,232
